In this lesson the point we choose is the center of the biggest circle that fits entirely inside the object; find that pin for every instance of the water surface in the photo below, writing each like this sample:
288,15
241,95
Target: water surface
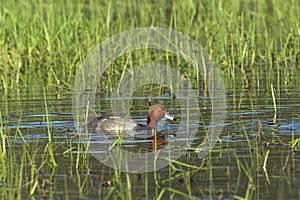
254,155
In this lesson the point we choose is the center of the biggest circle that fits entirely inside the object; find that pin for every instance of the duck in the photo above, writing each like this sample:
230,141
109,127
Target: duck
118,125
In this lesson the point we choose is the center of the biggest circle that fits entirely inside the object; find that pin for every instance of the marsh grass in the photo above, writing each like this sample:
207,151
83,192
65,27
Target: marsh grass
50,40
18,165
255,44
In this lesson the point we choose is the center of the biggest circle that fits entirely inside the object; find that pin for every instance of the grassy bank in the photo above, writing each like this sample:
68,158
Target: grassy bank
45,42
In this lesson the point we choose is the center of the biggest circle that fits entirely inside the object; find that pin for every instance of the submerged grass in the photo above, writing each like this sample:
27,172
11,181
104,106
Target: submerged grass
43,43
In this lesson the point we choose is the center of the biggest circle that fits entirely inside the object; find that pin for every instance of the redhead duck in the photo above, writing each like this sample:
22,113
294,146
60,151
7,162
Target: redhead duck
117,124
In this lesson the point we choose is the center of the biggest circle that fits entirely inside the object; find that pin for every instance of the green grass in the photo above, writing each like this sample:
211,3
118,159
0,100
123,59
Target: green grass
255,45
45,42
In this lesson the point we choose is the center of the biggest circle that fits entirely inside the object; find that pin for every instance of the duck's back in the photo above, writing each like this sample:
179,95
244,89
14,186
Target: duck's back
111,124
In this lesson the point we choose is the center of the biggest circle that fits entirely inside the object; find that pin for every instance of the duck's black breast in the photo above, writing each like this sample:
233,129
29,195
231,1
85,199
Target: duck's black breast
101,118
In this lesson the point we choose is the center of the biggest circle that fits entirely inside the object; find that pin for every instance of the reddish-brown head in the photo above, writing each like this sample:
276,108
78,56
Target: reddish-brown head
157,112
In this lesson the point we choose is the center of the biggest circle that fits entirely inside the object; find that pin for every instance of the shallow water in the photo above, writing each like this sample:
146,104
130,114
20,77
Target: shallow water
251,133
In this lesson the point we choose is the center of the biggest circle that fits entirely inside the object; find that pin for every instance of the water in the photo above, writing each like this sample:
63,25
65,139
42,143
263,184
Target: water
254,154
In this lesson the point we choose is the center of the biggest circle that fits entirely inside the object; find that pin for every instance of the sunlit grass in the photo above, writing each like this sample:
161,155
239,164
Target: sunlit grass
50,39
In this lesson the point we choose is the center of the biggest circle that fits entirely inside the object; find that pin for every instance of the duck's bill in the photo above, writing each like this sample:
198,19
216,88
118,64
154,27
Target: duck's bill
167,116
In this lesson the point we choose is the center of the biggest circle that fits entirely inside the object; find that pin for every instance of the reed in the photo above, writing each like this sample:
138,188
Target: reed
238,35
